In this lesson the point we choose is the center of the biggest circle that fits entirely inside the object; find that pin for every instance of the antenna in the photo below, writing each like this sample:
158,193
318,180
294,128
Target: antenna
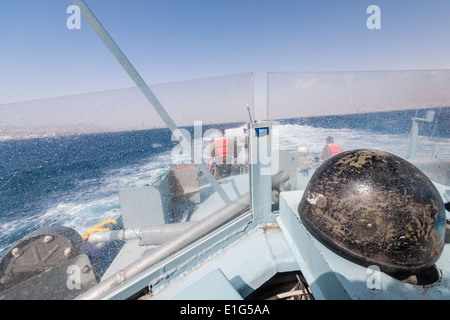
249,114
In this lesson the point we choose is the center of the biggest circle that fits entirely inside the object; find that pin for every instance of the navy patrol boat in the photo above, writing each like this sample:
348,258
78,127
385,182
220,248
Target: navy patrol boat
364,224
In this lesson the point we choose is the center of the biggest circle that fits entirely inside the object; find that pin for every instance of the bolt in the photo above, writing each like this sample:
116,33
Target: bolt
48,239
436,251
85,268
68,252
6,279
16,252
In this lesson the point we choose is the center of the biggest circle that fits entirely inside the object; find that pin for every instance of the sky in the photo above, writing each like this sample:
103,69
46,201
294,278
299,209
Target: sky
177,40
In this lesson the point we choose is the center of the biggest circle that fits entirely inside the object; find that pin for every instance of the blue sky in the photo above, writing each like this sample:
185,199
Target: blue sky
174,40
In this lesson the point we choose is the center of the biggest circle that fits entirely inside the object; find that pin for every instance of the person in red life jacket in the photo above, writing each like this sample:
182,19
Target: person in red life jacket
330,150
220,151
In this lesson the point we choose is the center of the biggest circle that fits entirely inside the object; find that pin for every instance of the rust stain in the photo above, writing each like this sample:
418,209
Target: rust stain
267,228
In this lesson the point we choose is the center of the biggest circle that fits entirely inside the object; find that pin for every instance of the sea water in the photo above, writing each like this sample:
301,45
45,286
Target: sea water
74,180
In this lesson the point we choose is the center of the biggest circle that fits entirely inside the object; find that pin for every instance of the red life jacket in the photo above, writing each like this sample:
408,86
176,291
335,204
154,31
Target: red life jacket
334,150
221,145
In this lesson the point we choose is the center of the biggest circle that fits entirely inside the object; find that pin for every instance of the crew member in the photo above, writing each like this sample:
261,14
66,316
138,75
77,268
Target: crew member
221,151
330,150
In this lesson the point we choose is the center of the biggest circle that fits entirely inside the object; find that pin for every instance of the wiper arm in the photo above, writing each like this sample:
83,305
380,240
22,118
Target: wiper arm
135,76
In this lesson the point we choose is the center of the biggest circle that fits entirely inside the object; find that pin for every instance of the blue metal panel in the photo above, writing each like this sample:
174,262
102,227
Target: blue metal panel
141,207
247,262
213,286
315,268
331,276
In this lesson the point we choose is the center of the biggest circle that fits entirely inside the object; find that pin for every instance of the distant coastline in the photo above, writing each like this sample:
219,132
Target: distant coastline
55,132
398,122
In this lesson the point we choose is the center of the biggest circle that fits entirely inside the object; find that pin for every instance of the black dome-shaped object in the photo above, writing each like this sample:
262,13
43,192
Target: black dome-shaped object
375,208
38,252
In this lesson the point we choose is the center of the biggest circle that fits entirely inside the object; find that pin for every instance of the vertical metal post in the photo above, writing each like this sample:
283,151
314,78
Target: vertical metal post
413,136
260,158
415,133
126,64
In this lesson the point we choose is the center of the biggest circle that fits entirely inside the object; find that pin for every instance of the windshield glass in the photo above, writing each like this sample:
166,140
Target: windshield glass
73,162
402,112
81,160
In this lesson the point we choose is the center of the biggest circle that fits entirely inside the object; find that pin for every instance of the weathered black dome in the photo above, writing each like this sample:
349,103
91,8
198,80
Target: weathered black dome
375,208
